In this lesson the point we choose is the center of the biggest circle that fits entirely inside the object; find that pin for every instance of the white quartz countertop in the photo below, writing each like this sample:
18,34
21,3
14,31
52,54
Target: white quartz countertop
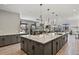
4,34
43,38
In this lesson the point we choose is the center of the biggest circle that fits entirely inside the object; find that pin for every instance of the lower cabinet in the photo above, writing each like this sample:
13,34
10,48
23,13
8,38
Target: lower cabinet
18,38
14,39
23,45
63,40
38,49
56,46
48,49
2,41
8,39
30,47
22,42
60,43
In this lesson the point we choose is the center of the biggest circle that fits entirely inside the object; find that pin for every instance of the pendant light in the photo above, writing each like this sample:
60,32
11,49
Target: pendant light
53,21
48,16
41,12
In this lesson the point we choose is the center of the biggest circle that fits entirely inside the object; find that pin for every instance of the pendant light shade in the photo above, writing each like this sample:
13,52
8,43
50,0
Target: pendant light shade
41,12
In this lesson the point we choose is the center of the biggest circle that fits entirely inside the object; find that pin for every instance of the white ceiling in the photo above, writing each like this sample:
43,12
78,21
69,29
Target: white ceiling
32,11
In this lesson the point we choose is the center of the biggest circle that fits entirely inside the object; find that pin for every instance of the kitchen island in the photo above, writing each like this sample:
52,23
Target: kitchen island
44,44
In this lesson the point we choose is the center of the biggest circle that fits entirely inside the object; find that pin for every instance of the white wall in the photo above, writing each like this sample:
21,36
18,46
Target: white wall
9,22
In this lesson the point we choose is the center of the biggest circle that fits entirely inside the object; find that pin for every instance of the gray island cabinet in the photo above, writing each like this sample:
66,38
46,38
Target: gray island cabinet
45,44
7,39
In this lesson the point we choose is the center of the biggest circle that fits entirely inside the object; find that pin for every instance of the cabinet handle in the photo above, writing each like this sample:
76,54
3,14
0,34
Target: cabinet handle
33,47
56,43
56,46
16,36
3,39
23,42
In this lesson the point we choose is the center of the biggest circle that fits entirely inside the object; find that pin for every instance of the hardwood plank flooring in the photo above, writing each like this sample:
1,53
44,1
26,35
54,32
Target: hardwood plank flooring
71,47
11,50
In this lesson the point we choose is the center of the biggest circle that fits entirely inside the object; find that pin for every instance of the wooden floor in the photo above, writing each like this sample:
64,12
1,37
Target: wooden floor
70,48
11,50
